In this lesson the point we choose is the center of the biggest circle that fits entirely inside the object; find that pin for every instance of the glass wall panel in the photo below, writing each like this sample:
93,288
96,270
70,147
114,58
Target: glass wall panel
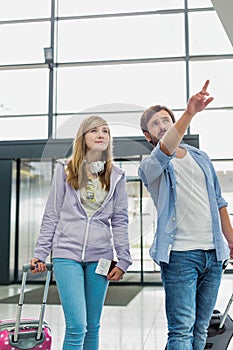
134,211
215,130
74,7
133,190
82,88
224,171
23,128
35,180
121,37
221,83
149,217
142,221
24,91
217,41
27,42
23,9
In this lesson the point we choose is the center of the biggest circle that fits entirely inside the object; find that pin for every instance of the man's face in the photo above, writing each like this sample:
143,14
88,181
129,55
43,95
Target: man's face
158,125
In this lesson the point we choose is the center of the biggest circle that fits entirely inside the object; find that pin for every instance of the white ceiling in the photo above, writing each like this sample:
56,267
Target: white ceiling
224,9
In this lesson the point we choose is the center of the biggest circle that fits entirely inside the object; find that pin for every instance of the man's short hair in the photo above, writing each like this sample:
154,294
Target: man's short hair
149,112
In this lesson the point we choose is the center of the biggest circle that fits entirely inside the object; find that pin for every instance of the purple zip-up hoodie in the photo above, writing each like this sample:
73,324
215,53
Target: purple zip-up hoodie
67,231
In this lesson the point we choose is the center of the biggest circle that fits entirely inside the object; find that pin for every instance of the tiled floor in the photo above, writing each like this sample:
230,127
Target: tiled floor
139,325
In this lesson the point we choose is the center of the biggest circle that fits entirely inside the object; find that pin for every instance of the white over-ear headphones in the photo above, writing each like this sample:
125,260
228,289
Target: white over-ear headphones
96,167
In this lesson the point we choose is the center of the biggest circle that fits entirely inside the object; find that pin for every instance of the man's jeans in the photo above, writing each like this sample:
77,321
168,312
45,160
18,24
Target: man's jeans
191,281
82,293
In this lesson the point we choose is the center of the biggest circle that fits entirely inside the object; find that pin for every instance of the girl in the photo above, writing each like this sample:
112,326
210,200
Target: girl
85,219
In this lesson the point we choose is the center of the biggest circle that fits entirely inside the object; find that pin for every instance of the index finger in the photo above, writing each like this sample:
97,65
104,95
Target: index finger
205,86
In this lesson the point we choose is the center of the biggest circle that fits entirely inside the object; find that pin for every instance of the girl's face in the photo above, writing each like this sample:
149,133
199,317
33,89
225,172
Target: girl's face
97,139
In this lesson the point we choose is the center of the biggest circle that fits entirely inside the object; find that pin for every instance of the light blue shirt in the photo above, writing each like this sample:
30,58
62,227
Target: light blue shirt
157,174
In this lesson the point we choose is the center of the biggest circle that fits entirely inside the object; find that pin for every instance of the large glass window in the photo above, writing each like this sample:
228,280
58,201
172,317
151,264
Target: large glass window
25,47
23,91
215,40
23,128
215,132
121,38
23,104
221,83
83,88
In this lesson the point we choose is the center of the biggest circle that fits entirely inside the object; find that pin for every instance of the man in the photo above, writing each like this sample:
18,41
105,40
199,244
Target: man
192,221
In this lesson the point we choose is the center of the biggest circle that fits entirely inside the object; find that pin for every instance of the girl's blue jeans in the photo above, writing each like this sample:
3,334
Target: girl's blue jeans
191,281
82,293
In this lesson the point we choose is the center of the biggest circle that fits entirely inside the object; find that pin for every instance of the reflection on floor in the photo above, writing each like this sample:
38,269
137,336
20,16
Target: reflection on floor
139,325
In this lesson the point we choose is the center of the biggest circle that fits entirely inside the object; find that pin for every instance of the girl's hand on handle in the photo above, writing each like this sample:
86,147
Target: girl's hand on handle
37,266
116,274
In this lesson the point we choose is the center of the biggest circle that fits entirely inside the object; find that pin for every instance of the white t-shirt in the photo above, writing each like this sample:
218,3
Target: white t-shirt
194,223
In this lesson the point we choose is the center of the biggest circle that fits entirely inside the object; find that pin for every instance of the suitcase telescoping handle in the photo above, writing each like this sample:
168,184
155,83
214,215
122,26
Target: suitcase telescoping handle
26,268
224,316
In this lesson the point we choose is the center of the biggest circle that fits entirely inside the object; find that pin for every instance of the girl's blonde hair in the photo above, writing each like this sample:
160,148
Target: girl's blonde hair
76,174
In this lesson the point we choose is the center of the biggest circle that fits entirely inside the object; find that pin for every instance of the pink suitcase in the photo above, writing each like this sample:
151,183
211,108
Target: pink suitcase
27,334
